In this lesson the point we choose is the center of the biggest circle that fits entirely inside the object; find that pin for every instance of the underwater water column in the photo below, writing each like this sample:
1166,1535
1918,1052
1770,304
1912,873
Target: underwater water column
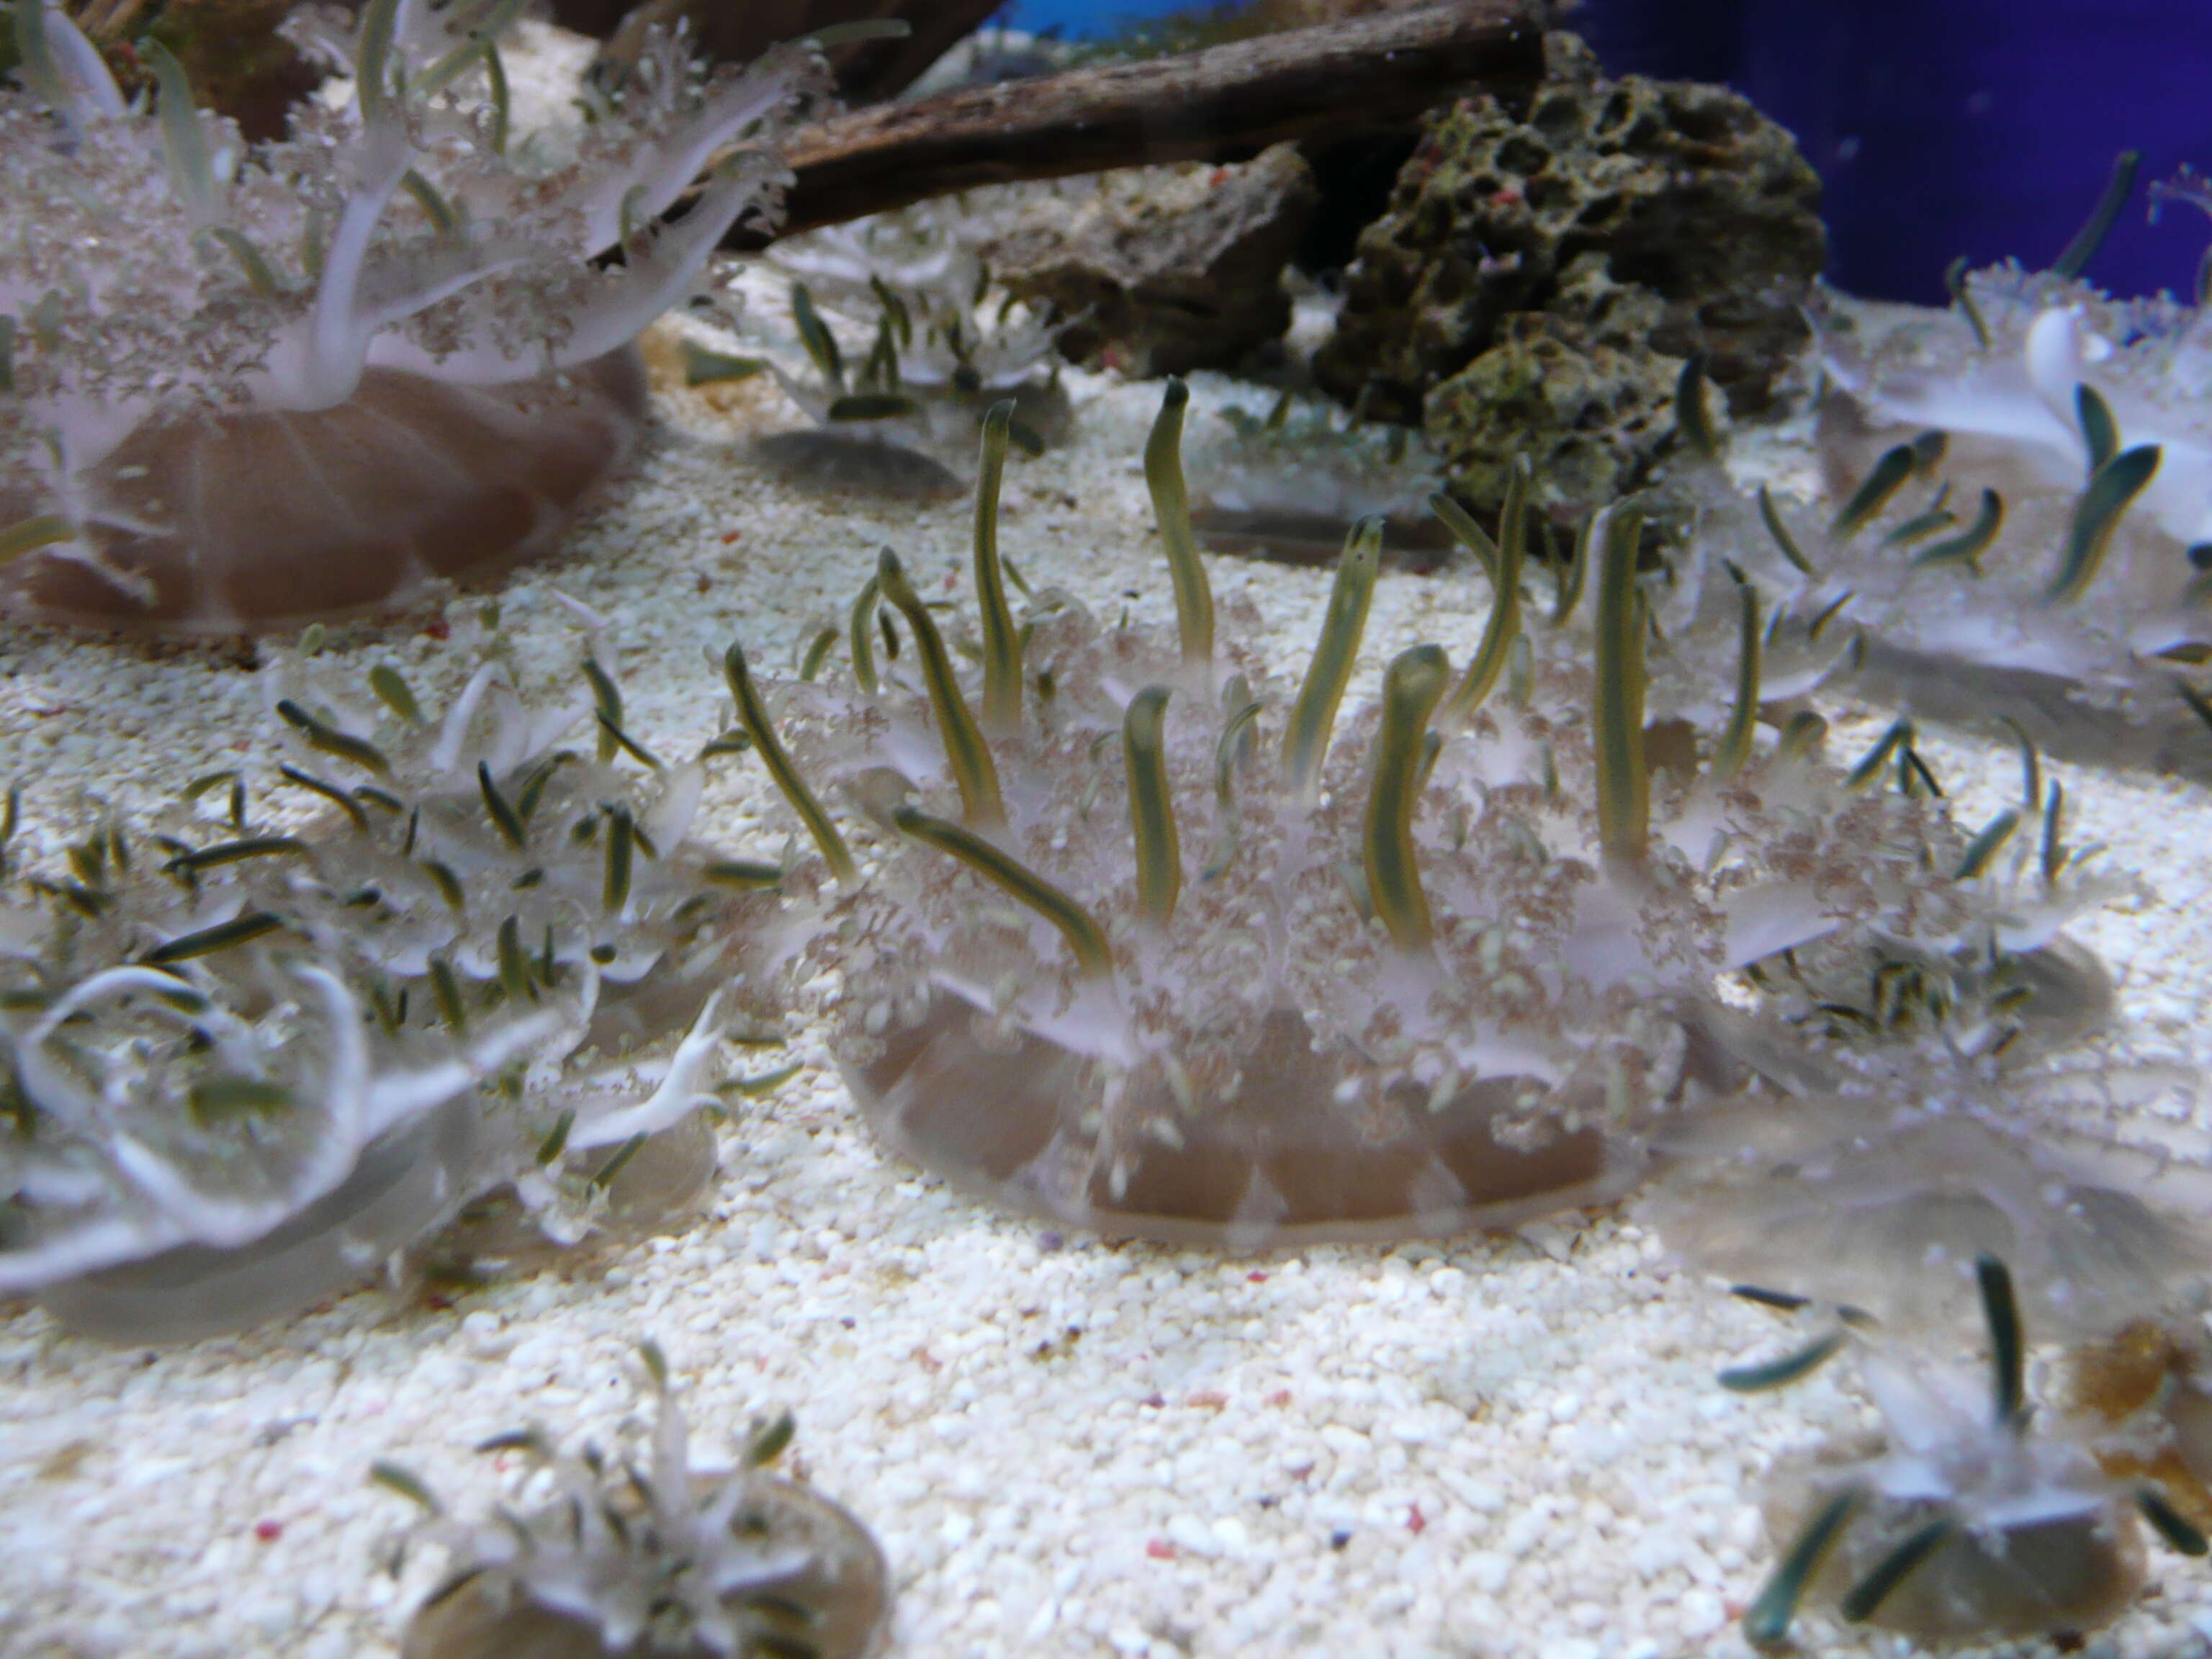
1081,19
1986,128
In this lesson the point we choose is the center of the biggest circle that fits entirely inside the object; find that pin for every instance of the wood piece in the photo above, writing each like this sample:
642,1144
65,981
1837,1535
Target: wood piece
1225,104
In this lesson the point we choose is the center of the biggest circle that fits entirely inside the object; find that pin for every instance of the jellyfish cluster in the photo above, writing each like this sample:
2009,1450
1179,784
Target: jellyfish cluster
249,1062
1124,925
2020,511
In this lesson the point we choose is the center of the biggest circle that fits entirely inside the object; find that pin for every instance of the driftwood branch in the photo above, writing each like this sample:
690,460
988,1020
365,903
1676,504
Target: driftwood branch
1224,104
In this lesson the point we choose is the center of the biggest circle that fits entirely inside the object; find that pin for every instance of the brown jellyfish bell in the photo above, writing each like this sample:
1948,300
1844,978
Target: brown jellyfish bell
214,524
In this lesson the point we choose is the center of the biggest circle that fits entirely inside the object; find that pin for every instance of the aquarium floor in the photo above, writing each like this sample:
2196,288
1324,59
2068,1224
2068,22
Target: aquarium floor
1508,1447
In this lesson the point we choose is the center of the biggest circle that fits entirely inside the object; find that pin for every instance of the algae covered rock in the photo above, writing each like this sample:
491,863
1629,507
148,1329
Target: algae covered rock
1646,221
1585,406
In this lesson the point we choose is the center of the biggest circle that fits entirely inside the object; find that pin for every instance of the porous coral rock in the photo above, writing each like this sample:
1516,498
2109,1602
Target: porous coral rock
1655,220
1589,406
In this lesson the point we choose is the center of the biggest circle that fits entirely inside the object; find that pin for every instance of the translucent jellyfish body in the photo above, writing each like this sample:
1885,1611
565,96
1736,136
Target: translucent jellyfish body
1966,1518
244,1072
1149,946
939,334
240,387
1884,1200
888,423
1935,1113
1289,484
664,1558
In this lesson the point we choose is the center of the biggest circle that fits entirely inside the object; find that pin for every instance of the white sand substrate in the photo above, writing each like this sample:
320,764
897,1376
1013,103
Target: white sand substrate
1507,1447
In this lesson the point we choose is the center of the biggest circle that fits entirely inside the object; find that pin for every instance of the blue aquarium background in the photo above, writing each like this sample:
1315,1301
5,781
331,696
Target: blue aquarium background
1986,128
1082,19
